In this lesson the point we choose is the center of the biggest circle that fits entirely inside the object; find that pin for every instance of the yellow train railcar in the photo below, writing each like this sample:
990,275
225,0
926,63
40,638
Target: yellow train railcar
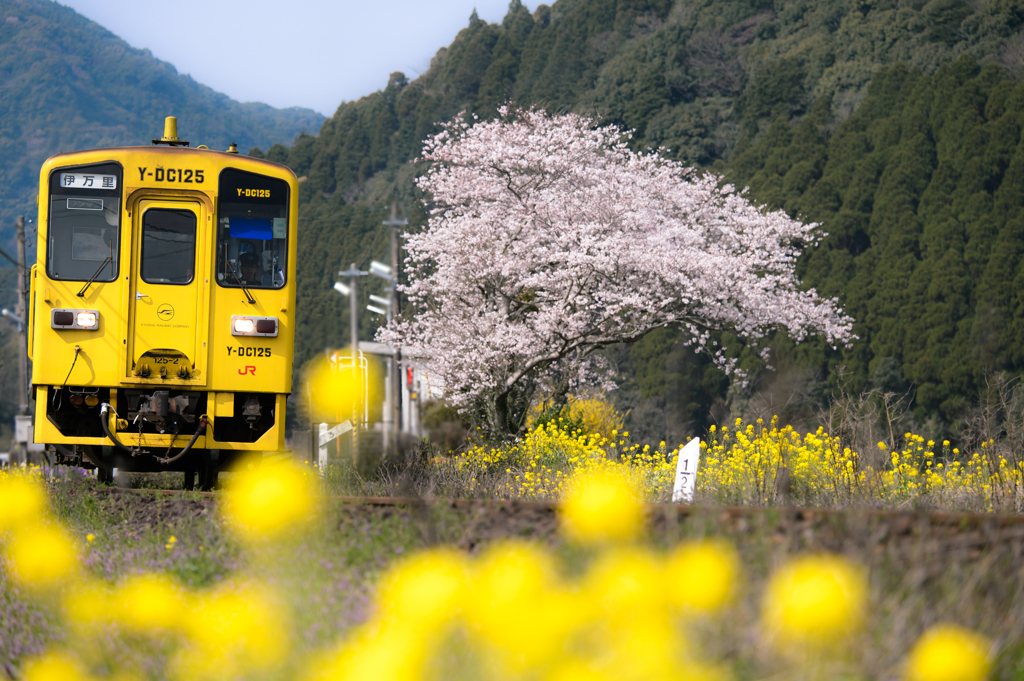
163,307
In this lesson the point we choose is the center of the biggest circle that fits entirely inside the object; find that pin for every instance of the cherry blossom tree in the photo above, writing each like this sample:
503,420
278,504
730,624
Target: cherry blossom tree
549,239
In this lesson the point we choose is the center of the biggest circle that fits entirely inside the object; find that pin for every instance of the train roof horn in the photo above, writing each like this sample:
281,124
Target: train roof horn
170,137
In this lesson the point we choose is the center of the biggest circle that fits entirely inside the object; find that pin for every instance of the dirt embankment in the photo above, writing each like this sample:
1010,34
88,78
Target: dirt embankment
470,523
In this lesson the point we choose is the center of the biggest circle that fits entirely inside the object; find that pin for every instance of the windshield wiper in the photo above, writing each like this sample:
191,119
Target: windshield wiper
248,296
109,258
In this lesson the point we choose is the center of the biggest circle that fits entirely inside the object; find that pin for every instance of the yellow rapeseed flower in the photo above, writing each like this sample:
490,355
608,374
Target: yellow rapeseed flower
949,653
427,589
517,608
41,557
395,653
644,648
626,586
234,630
815,600
22,501
581,669
603,507
87,605
54,667
702,576
270,501
150,603
336,392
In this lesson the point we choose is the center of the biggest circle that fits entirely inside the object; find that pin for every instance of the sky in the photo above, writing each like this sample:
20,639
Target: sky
309,53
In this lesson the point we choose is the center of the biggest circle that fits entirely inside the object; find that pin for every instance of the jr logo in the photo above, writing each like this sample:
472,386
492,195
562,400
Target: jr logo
247,370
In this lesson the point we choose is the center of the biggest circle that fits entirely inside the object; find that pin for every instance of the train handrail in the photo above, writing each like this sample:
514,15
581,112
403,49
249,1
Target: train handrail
30,335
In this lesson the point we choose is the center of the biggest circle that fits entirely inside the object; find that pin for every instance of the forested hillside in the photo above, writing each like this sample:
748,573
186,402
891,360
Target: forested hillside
67,83
921,191
871,117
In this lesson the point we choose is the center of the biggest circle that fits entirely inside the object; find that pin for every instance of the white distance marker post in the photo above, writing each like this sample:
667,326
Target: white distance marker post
326,436
686,472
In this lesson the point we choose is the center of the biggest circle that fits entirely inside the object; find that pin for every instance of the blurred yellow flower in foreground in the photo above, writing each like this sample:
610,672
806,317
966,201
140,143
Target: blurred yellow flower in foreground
574,669
41,557
625,585
373,652
150,603
518,609
336,390
426,590
88,604
949,653
814,600
701,577
22,500
270,501
602,507
236,629
54,667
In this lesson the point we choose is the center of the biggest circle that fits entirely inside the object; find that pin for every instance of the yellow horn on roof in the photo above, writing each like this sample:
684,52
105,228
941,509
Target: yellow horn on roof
170,129
171,134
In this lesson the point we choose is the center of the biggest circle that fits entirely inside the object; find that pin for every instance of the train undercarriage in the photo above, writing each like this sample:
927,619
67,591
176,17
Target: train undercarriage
156,429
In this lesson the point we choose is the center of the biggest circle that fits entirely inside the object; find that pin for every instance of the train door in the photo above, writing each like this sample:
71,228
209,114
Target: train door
167,292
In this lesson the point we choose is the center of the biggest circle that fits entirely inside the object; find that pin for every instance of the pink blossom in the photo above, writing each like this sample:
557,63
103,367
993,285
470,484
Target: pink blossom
548,239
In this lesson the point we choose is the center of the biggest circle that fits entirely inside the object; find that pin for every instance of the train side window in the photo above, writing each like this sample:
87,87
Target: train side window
84,223
168,246
252,230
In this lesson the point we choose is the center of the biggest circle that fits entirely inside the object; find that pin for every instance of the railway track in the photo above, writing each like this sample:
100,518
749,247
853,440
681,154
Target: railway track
849,530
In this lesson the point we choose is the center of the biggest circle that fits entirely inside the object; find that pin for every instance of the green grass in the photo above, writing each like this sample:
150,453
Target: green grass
922,570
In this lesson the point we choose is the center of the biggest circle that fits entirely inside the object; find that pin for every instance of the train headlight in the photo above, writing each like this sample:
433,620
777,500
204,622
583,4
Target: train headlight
86,320
254,326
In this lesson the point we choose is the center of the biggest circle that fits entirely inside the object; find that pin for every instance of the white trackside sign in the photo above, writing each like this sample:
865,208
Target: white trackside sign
686,471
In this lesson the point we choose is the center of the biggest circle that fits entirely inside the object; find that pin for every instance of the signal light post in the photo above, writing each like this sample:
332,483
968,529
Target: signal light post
353,273
390,274
381,270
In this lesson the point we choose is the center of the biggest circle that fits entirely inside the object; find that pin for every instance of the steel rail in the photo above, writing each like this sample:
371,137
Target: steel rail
935,518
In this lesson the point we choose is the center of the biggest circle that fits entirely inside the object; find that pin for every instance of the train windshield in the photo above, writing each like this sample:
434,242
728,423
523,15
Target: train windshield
252,230
168,246
84,223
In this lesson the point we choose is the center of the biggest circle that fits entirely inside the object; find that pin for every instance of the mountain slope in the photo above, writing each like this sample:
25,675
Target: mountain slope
922,191
732,85
67,83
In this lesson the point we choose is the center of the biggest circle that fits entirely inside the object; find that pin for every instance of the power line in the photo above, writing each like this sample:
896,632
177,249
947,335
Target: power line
349,212
14,262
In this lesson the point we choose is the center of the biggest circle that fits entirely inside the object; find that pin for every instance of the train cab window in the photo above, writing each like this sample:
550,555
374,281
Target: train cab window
84,223
252,230
168,246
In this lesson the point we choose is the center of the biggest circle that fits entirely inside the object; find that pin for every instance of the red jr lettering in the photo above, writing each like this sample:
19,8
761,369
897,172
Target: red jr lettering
247,370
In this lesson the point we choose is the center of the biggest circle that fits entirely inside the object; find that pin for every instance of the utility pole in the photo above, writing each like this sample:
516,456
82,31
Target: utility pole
396,375
22,312
22,420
